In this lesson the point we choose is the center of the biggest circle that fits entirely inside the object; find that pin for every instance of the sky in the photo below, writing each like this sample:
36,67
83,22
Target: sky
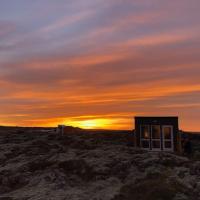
99,63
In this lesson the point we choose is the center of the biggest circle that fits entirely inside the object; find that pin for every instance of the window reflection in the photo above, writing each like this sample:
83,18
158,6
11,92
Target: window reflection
145,132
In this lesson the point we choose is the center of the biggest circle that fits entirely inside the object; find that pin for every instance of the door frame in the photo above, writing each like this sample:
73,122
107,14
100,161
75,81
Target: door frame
172,138
160,139
142,139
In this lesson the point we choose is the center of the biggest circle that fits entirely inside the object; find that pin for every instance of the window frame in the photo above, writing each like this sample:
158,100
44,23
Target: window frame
144,139
156,139
168,140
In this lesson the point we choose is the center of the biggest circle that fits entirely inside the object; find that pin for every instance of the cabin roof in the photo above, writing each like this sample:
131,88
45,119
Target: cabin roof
156,117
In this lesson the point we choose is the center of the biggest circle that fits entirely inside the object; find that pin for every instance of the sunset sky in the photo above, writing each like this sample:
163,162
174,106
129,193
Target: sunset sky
98,63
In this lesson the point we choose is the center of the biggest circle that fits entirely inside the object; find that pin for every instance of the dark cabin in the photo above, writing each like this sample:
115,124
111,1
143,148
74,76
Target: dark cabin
157,133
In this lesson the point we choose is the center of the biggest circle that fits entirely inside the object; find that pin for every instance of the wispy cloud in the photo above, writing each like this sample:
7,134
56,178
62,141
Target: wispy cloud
65,22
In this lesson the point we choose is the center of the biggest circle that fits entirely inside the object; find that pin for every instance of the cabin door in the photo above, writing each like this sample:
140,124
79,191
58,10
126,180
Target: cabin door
167,135
155,138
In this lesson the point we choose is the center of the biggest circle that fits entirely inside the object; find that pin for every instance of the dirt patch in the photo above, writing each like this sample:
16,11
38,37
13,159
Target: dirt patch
147,189
79,168
12,182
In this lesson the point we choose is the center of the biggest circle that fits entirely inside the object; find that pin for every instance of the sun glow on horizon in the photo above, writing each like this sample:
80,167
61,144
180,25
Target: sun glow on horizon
100,123
91,123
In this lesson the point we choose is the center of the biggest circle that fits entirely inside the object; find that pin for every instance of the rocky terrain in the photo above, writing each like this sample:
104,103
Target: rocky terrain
38,164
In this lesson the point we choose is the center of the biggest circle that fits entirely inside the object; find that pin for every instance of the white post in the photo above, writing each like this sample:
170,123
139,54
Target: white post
60,129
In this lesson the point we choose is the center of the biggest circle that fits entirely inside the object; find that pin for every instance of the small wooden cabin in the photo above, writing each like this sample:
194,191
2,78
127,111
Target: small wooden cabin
63,129
157,133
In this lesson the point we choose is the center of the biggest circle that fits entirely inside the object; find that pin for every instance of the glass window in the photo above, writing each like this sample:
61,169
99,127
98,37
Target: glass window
168,144
167,132
145,132
145,143
155,132
156,144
